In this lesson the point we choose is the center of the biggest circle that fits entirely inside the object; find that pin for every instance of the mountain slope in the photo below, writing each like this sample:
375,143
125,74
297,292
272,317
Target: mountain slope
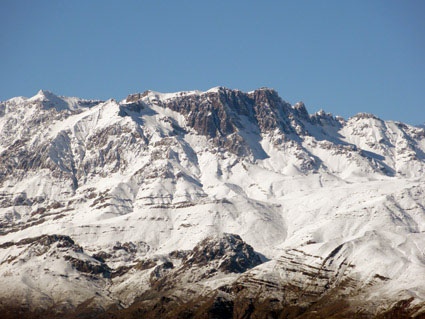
109,200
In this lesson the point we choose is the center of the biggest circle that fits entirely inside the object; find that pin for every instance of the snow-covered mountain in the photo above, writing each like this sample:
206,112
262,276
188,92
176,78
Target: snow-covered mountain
216,204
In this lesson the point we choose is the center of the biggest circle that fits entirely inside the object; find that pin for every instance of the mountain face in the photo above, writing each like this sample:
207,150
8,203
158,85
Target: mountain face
216,204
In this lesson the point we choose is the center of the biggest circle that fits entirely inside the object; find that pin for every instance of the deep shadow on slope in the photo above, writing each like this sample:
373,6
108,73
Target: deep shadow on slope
216,307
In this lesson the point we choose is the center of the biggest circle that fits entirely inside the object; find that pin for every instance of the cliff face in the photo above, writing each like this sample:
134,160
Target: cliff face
207,204
222,114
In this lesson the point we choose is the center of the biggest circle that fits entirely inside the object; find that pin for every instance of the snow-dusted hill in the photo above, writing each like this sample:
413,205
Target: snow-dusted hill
221,202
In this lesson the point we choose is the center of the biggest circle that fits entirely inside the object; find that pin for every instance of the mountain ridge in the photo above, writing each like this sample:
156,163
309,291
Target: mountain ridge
108,200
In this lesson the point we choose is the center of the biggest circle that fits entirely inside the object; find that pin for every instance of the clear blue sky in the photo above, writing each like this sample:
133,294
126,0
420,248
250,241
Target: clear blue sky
343,56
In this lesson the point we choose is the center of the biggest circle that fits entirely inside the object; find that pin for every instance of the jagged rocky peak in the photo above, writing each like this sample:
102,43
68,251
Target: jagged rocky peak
363,115
44,95
135,97
216,112
324,118
321,114
264,94
48,100
301,110
229,250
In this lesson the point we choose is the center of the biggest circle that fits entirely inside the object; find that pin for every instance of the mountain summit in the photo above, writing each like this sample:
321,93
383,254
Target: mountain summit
216,204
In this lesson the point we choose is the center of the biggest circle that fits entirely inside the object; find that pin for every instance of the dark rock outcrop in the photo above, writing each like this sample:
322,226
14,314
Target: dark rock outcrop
89,267
229,253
